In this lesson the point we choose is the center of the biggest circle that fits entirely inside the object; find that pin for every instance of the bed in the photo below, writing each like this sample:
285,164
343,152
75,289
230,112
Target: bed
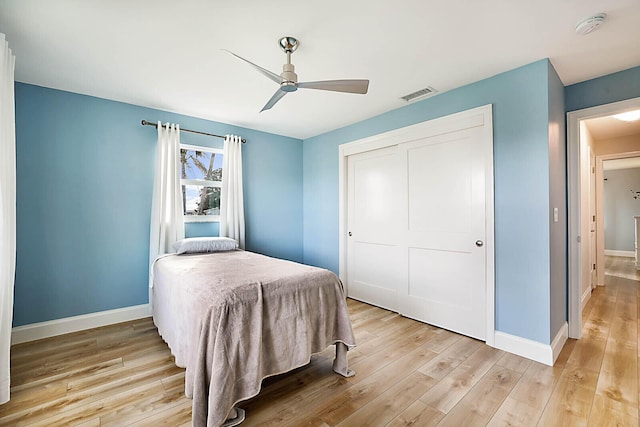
233,318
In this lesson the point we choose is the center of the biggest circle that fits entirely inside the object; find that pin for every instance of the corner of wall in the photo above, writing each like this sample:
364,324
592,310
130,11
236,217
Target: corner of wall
558,309
542,353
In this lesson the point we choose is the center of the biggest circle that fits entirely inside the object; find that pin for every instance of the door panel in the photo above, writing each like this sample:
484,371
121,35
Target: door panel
430,277
446,279
439,172
372,268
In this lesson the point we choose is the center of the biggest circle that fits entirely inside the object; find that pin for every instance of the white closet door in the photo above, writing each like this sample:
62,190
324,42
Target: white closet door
443,238
373,253
419,222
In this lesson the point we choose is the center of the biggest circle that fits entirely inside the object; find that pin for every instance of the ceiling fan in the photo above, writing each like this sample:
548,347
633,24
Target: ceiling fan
288,80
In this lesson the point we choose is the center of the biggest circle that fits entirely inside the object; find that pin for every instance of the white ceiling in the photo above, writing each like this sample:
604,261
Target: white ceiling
167,55
626,163
609,127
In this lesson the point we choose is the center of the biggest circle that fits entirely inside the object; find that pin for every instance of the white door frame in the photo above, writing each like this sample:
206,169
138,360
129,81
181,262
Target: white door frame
480,116
574,148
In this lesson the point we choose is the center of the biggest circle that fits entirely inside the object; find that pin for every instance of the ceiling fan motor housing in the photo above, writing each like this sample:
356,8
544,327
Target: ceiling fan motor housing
289,78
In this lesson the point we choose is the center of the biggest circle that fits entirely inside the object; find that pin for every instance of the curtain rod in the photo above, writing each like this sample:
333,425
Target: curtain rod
155,125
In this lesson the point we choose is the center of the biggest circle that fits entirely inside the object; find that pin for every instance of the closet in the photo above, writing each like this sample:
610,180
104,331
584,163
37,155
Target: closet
418,221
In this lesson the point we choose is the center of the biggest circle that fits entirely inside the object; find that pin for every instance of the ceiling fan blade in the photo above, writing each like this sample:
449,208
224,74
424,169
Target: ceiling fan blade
350,86
270,75
275,98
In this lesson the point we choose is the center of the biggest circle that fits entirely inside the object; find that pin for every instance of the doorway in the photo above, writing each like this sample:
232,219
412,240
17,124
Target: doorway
620,206
579,170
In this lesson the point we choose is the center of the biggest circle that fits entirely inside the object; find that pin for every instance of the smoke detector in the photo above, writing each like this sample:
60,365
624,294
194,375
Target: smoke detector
590,24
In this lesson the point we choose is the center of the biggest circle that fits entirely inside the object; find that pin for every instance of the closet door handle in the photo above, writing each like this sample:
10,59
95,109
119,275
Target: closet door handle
479,243
350,234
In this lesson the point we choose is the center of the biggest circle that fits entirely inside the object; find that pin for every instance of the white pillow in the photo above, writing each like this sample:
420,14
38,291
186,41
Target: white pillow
204,244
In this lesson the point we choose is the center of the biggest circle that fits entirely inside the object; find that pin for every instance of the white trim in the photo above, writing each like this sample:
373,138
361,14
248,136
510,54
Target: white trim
475,117
464,120
200,183
201,148
490,273
626,254
543,353
573,177
558,342
524,347
36,331
586,296
342,220
573,241
201,218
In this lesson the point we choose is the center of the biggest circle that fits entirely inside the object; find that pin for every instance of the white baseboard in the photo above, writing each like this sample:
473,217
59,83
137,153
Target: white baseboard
543,353
627,254
558,342
51,328
586,296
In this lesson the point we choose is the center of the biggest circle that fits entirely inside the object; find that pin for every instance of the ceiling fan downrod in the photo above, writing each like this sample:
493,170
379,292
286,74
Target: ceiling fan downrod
289,77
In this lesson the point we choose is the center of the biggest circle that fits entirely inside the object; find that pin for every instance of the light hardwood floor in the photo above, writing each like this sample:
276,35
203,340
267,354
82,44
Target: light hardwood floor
407,373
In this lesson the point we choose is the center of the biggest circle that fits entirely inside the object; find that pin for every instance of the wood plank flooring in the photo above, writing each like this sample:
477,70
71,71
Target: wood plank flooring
407,373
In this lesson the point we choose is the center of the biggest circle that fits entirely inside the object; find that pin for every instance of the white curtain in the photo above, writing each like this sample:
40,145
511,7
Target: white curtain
231,199
167,222
7,210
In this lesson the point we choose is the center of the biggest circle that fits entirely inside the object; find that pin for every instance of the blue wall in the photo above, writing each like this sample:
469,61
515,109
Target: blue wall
603,90
84,184
520,101
85,172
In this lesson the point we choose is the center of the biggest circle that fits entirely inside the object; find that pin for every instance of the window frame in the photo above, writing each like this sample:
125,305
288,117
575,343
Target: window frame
201,182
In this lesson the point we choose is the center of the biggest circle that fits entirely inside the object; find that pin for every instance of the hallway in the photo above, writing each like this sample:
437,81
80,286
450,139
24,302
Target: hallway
605,381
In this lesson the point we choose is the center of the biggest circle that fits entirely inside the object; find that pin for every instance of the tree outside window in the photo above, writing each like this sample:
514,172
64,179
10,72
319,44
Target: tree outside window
201,173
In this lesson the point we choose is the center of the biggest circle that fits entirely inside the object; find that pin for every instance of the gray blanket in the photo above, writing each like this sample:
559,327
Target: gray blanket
235,318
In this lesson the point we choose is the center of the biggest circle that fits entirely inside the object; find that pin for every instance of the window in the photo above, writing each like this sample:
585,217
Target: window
201,180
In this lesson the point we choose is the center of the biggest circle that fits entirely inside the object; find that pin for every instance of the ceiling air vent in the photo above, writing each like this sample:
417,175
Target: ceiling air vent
422,93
